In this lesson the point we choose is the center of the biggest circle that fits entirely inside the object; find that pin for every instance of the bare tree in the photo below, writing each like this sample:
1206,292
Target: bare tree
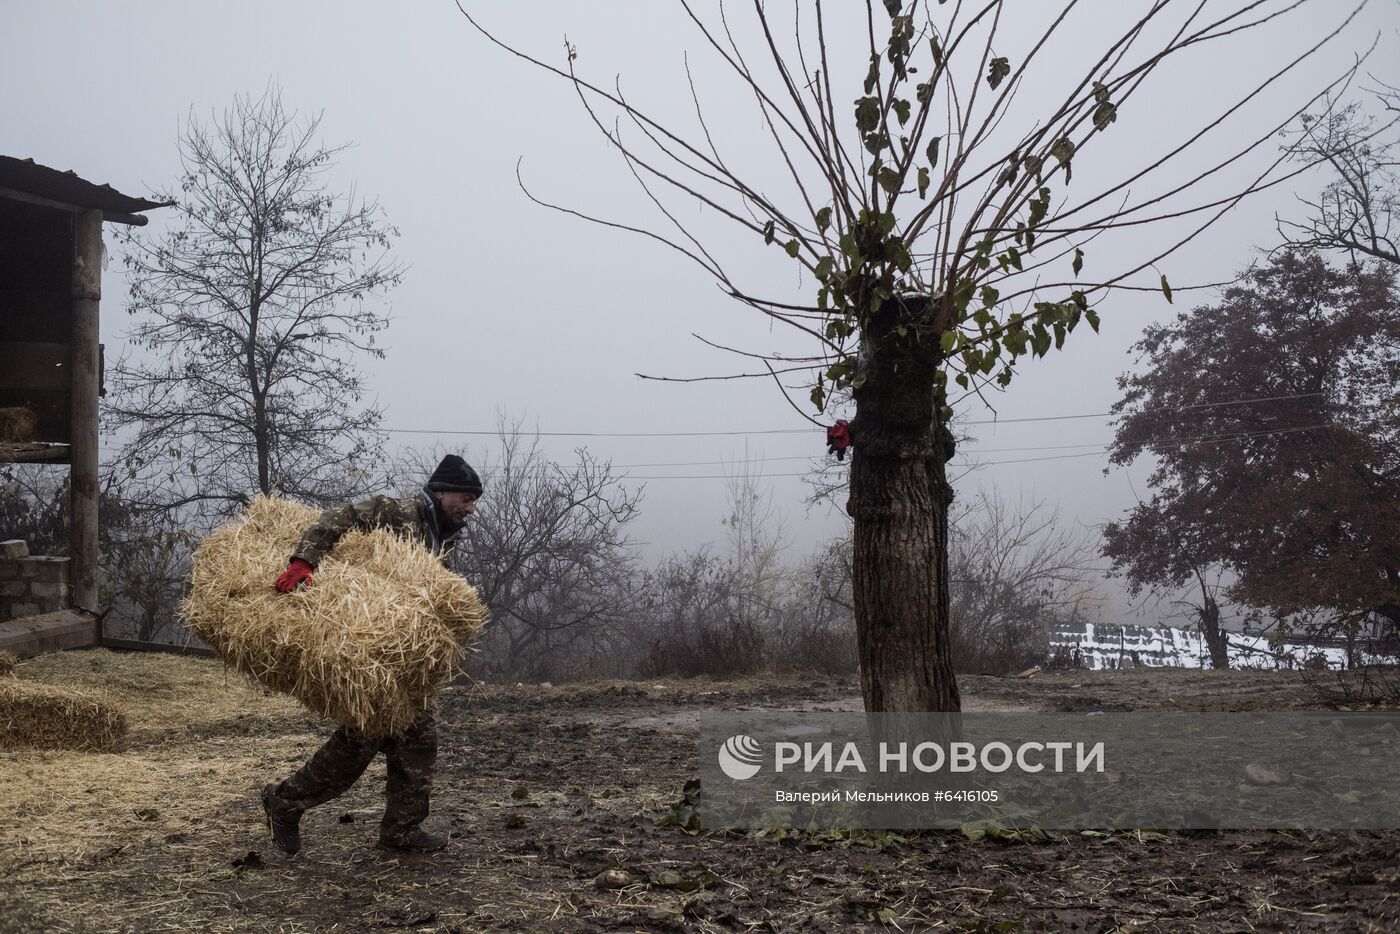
756,537
938,221
1358,212
549,552
696,616
145,568
1017,570
249,312
744,609
817,630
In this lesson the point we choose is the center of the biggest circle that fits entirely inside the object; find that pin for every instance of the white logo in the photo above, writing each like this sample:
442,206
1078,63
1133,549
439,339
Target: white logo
740,757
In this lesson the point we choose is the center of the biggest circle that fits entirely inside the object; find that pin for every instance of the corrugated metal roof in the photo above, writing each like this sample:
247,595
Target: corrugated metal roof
29,177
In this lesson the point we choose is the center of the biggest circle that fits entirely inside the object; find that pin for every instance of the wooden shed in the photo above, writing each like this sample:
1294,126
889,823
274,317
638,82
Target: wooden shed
51,259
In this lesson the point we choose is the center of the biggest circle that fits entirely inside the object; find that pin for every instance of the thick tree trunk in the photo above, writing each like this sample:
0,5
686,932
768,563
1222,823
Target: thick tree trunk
899,499
1216,639
1391,612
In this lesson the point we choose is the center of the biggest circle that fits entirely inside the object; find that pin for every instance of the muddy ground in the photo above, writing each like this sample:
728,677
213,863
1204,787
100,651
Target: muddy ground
542,789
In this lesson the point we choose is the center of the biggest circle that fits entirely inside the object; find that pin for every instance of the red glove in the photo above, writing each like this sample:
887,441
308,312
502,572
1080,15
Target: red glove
297,573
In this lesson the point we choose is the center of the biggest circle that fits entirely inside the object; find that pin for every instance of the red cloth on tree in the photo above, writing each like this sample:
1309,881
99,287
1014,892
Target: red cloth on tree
838,438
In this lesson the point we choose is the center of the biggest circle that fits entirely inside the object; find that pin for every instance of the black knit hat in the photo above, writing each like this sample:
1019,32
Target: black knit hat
455,475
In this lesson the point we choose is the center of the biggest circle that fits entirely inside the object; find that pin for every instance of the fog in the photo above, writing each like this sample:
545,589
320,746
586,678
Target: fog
508,307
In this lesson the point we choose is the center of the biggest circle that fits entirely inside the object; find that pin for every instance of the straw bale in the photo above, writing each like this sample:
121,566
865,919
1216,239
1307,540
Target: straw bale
17,425
8,662
165,696
202,740
369,641
45,716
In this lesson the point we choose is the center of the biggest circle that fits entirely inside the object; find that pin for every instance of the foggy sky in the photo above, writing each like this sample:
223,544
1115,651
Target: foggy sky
509,307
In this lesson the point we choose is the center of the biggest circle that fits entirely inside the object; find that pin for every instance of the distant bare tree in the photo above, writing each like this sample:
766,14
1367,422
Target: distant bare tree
145,568
549,552
756,539
696,617
817,629
743,609
1358,213
1017,569
249,312
832,571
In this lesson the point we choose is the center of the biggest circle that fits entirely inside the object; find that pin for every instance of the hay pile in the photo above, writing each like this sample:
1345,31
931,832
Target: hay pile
45,716
201,741
17,425
369,641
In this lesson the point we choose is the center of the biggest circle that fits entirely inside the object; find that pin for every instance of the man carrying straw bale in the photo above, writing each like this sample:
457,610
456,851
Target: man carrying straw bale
434,517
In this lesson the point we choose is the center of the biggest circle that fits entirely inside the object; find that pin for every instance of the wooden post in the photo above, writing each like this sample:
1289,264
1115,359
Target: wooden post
87,293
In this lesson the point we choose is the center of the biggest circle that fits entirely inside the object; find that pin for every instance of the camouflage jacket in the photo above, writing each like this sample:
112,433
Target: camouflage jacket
414,517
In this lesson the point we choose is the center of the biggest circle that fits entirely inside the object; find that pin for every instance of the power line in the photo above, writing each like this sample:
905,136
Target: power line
1099,449
1102,449
1180,442
768,476
1169,408
602,434
808,431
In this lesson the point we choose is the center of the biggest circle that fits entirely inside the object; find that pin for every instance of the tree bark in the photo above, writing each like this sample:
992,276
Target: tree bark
262,436
1215,636
899,499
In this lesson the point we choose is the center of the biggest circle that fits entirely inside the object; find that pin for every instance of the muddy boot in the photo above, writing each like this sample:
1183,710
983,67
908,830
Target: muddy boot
416,840
282,820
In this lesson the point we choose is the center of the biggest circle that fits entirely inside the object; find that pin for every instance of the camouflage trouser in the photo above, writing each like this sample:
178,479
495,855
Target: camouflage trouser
346,755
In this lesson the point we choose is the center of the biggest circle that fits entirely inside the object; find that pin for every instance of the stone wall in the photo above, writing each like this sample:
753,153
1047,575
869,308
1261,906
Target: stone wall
30,584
